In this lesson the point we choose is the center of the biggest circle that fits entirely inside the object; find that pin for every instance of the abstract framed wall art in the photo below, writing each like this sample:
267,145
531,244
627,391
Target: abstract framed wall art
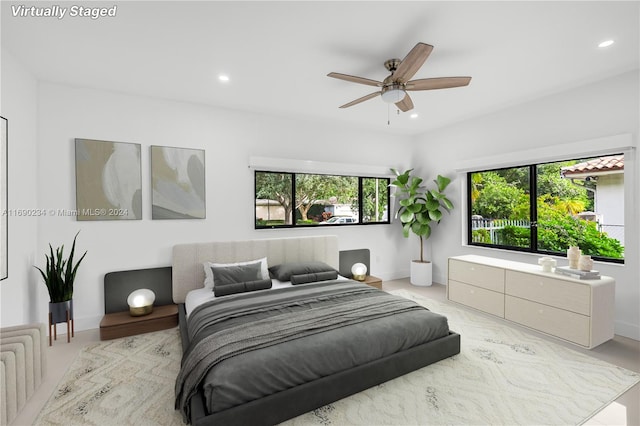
4,220
178,183
108,180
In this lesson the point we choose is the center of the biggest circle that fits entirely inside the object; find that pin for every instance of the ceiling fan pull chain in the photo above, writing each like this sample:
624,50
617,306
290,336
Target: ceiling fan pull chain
388,114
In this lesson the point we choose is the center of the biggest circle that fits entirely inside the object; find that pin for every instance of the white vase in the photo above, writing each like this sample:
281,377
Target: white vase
421,273
573,255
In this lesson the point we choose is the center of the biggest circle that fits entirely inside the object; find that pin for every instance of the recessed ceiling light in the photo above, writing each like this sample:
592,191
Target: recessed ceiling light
223,77
606,43
414,115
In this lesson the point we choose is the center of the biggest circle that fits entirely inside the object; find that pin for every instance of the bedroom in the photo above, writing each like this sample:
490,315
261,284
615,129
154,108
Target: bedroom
48,105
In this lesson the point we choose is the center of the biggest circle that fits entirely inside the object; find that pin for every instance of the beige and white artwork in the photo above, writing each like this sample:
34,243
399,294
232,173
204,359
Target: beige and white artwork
178,180
108,180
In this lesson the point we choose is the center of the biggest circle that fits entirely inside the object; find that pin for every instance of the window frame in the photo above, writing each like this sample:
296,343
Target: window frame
360,191
533,209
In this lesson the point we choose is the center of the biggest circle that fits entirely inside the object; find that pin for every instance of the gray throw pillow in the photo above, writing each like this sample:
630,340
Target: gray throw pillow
236,274
284,271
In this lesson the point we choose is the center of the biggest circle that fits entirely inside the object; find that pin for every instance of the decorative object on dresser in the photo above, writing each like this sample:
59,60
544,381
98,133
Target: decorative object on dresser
59,276
576,310
585,263
547,263
577,273
108,180
118,286
419,207
573,254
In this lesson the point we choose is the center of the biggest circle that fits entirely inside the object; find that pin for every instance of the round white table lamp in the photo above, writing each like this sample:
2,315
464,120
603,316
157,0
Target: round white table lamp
141,302
359,271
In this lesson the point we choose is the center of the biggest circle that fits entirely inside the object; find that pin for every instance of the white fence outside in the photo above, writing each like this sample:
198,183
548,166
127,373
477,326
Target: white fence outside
613,231
494,225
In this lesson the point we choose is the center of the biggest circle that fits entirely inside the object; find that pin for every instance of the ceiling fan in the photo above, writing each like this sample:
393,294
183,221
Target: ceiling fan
397,84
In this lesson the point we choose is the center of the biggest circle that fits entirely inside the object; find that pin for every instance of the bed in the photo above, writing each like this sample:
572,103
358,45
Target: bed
314,361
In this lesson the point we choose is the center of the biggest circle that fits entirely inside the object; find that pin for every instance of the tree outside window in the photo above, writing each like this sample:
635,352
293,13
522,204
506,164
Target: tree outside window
304,199
547,207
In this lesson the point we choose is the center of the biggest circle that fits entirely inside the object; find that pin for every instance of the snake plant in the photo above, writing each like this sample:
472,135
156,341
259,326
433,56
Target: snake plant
60,273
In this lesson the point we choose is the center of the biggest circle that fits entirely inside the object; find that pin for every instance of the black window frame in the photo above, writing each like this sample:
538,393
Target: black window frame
315,225
533,212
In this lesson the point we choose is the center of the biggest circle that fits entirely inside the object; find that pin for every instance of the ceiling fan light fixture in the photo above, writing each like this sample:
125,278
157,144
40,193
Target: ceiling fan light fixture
394,94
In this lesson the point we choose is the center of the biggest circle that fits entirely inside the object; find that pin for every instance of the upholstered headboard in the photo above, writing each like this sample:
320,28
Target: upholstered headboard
188,272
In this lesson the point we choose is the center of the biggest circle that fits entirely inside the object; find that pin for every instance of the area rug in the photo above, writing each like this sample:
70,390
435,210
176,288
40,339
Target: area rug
502,376
126,381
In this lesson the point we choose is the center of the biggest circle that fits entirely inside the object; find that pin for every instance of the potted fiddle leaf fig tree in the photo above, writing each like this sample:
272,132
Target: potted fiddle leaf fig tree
59,275
419,208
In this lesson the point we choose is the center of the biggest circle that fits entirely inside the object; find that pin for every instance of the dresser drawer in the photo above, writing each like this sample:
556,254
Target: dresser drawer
476,274
549,291
476,297
564,324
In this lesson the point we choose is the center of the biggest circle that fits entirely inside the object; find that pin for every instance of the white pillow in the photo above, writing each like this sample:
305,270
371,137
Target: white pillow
208,274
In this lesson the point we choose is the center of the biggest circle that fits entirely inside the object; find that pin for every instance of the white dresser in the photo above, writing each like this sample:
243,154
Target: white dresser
578,311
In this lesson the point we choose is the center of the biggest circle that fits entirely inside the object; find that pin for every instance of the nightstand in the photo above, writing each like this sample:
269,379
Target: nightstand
122,324
373,281
117,322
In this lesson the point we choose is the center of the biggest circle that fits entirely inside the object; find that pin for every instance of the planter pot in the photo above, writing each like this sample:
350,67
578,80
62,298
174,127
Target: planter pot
59,310
57,314
421,273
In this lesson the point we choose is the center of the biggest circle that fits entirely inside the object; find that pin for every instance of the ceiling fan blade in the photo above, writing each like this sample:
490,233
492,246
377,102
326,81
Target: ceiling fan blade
437,83
362,99
354,79
412,62
406,104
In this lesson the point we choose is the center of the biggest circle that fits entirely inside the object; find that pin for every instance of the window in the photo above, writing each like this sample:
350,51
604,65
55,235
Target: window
545,208
305,199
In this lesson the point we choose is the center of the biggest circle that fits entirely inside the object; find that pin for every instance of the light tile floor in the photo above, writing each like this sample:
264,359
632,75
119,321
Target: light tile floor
620,351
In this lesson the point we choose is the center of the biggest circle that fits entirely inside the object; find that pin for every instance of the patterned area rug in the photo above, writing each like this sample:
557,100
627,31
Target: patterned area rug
501,377
127,381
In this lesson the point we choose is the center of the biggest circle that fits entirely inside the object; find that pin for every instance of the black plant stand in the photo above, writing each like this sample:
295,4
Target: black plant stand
61,312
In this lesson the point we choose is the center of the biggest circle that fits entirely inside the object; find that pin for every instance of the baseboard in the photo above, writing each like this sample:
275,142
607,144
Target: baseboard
632,331
80,324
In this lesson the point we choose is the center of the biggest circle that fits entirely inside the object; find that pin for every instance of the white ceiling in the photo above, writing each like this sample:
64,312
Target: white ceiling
278,54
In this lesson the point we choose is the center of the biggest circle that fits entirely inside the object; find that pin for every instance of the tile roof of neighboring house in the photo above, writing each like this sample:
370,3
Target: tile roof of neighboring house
596,166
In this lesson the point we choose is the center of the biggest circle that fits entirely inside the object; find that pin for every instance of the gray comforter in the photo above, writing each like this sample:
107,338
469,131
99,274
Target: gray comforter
252,345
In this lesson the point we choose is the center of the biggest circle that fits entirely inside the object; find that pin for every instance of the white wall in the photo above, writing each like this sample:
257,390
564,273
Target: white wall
229,138
599,110
18,293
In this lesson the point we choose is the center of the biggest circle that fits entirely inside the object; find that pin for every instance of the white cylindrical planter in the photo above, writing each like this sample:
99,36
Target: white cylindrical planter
421,273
